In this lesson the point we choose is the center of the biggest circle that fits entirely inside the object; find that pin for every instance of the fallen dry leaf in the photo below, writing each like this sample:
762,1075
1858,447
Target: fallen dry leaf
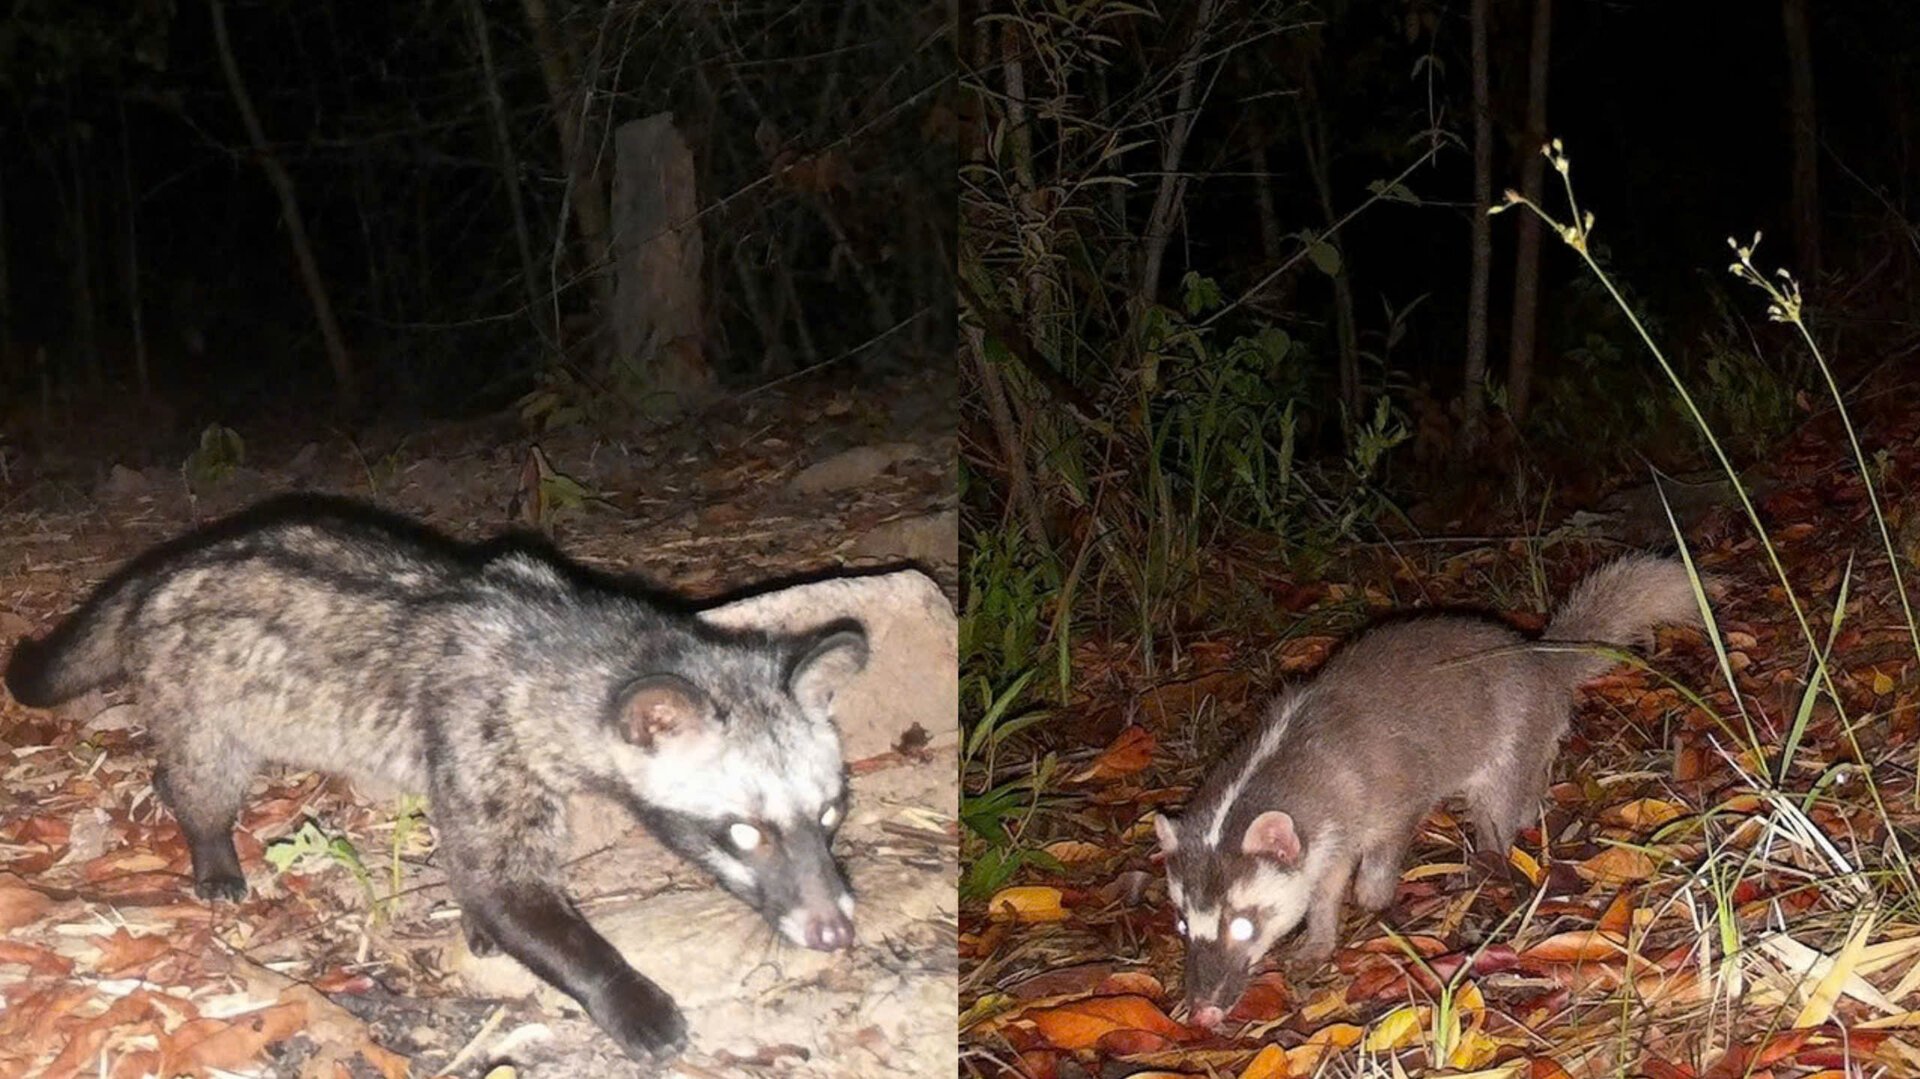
20,905
1027,903
1082,1023
1616,865
1131,752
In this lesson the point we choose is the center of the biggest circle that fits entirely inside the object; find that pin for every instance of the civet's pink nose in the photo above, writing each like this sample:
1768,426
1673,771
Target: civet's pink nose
1209,1016
829,932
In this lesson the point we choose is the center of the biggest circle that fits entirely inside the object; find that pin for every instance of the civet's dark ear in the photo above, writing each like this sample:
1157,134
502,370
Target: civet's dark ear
659,708
836,653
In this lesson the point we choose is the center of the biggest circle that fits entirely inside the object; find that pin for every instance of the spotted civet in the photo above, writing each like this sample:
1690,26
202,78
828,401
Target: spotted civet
497,679
1343,768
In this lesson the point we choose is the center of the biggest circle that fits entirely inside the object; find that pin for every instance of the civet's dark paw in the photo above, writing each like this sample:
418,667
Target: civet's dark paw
479,941
217,886
646,1022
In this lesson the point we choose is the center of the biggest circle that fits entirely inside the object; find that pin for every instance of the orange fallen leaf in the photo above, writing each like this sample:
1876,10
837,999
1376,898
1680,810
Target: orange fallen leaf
1577,946
1305,1058
1135,982
122,952
20,904
1075,851
223,1043
1618,917
1616,865
1027,903
1131,752
1268,1063
1644,813
33,957
1082,1023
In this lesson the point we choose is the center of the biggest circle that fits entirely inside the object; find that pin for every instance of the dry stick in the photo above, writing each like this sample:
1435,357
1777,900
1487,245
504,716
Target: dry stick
1173,183
337,355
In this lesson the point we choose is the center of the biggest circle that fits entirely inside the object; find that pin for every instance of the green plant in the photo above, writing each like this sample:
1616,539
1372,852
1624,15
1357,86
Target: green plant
310,843
219,453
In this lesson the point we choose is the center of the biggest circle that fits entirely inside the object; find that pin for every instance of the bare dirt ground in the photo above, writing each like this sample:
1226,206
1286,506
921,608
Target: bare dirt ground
110,966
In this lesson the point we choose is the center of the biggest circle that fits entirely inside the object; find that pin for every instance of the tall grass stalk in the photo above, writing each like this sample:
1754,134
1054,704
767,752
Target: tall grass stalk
1577,234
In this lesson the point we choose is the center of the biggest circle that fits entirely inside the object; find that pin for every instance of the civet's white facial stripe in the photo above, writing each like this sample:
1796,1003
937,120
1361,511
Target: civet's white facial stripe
793,926
1270,735
1280,895
1204,924
729,870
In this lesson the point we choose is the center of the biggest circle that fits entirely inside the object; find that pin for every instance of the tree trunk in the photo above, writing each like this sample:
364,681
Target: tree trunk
587,194
509,168
658,313
1173,185
1474,370
1526,260
346,388
1805,136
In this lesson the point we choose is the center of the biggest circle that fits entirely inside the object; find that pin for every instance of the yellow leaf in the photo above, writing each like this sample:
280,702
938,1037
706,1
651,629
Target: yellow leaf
1269,1063
1475,1049
1397,1029
1645,813
1882,683
1027,903
1324,1004
1525,863
1470,1003
1433,869
1304,1059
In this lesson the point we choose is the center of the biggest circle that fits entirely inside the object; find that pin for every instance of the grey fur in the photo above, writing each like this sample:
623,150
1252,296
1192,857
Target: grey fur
1409,713
498,679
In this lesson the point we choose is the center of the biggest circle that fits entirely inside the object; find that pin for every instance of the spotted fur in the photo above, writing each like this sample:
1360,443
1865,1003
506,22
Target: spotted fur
498,679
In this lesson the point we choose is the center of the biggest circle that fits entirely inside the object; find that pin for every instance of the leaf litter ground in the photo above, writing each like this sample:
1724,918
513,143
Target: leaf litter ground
1707,895
110,966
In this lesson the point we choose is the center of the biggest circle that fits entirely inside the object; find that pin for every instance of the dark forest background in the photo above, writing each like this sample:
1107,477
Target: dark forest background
1233,305
451,163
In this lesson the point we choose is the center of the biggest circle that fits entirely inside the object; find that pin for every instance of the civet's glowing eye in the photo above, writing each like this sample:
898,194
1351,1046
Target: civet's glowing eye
1240,929
1180,926
744,836
831,817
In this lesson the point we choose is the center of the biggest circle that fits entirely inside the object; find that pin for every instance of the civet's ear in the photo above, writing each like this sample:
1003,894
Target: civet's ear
661,708
1169,838
835,654
1271,835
